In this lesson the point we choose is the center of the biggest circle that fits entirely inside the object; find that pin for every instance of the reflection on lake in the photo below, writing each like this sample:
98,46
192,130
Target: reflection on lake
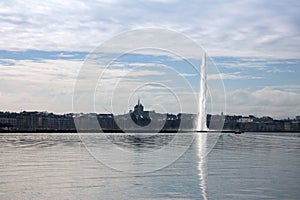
58,166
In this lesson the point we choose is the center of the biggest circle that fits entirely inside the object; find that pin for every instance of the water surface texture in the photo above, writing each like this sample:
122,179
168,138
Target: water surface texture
58,166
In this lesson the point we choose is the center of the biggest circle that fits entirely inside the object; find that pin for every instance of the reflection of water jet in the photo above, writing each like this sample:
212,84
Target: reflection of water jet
202,165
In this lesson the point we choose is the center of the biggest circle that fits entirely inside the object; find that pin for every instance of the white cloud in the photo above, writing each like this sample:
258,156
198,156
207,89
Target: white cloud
138,64
38,85
125,73
258,28
236,28
187,74
288,88
63,55
266,101
277,70
156,85
160,1
49,85
230,76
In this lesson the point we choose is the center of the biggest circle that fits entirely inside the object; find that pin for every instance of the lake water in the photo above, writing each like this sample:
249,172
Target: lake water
64,166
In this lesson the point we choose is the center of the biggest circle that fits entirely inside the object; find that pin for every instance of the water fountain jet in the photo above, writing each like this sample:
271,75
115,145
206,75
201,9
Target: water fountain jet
201,119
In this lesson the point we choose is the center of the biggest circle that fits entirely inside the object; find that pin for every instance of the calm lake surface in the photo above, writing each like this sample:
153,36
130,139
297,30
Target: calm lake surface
65,166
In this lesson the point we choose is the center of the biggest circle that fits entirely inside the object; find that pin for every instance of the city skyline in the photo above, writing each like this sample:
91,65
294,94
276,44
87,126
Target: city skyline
254,44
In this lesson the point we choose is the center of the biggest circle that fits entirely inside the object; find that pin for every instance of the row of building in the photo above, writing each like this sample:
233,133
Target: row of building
138,119
135,120
35,121
254,124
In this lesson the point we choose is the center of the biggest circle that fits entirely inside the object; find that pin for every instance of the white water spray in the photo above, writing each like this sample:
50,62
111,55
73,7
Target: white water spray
201,121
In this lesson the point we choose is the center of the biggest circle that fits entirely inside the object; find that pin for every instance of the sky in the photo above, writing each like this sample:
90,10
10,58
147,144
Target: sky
255,45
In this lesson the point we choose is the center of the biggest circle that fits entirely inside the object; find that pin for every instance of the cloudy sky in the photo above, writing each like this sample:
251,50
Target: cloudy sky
254,44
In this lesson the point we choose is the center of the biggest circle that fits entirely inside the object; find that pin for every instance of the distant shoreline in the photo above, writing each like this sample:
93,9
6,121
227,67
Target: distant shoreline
31,122
133,131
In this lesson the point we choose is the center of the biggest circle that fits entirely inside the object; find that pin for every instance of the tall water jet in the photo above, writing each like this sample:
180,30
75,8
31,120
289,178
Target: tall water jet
201,121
